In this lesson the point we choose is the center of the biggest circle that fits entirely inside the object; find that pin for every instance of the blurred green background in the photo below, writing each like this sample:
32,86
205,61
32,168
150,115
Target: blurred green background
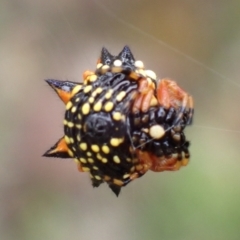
194,42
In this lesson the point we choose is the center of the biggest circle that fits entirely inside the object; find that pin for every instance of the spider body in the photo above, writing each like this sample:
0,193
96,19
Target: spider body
119,123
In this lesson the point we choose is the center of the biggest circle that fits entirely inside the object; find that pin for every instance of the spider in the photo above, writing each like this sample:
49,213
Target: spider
120,122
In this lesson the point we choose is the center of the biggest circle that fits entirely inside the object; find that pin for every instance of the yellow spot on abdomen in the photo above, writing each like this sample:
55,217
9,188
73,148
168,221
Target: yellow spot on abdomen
67,140
116,159
74,109
93,78
108,106
76,89
116,141
83,146
90,160
85,108
117,182
70,124
83,160
105,149
69,105
109,94
120,96
95,148
91,100
97,177
87,89
70,153
86,169
117,116
104,160
97,106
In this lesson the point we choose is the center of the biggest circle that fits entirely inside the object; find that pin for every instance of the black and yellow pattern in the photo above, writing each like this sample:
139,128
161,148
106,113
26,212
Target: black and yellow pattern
103,132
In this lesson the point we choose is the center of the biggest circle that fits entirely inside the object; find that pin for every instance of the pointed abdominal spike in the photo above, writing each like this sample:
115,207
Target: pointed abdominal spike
59,150
126,55
115,188
62,88
106,57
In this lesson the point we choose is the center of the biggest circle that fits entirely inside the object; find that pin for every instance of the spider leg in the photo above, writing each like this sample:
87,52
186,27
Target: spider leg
191,110
165,164
181,110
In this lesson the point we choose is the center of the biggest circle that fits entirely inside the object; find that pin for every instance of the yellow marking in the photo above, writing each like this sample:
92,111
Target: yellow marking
71,140
128,159
116,141
70,153
116,159
108,106
108,95
74,149
76,89
99,156
97,177
104,68
91,100
117,182
76,160
95,148
69,105
66,138
99,65
77,99
95,168
79,116
83,146
120,96
104,160
105,149
117,116
74,109
83,160
79,126
87,89
97,107
126,176
78,137
89,154
65,122
93,78
90,160
85,108
70,124
86,169
97,91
